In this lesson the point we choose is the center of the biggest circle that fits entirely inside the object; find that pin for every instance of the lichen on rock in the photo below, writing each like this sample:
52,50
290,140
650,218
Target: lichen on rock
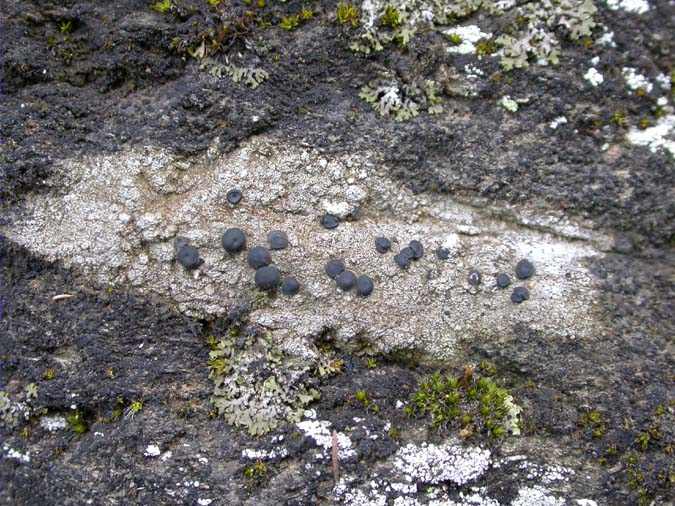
256,385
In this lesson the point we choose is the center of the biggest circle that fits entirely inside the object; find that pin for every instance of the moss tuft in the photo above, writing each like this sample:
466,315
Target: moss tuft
475,404
347,14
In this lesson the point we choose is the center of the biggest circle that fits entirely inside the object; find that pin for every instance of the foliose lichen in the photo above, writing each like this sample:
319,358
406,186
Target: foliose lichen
256,385
402,101
250,76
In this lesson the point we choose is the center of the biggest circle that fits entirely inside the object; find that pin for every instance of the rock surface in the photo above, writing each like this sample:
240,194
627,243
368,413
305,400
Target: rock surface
125,377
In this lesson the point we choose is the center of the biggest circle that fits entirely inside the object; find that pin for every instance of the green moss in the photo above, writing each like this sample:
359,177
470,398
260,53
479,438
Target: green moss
361,396
76,422
255,474
161,6
49,374
486,47
593,421
347,14
290,22
66,27
619,119
371,363
455,39
391,17
476,404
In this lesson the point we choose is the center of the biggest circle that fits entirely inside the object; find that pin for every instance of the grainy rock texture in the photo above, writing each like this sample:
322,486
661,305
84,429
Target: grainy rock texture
491,132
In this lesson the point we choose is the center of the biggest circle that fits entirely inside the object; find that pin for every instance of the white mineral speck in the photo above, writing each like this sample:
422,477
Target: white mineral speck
557,122
635,80
634,6
204,502
152,451
320,432
508,103
53,423
470,35
593,76
657,136
531,496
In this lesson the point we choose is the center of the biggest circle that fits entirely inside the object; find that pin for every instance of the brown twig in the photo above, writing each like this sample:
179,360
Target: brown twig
335,457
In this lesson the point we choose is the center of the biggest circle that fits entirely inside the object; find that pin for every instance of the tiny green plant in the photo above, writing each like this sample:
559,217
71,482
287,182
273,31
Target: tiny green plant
161,6
362,397
348,14
255,473
66,26
290,23
391,17
371,363
134,408
76,422
455,39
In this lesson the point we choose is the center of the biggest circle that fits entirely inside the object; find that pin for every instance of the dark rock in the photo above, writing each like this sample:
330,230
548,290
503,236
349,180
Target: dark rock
334,268
267,278
346,280
234,196
503,280
474,278
234,240
277,239
524,269
623,244
259,257
329,221
443,253
417,248
364,286
382,244
188,257
290,286
520,294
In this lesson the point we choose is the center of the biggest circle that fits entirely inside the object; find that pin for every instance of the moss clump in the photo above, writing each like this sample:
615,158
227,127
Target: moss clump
76,422
255,474
593,422
361,396
49,374
161,6
619,119
476,405
66,27
290,23
455,39
347,14
486,47
391,17
256,385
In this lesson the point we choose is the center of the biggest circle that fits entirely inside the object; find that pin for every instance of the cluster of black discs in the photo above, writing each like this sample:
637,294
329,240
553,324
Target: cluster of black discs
414,251
524,270
268,276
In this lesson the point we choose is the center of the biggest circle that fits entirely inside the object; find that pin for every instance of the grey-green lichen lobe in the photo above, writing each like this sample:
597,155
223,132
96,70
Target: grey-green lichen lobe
15,411
256,385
